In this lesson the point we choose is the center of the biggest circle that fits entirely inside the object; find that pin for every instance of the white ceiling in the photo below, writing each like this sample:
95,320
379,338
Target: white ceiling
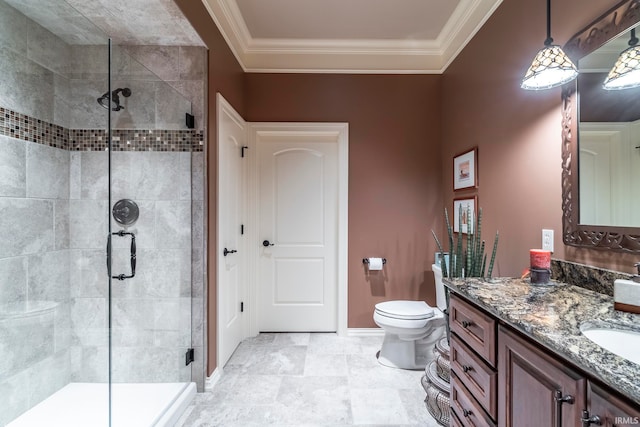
348,36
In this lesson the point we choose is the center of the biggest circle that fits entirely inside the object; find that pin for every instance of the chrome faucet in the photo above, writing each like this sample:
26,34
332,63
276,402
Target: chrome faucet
636,277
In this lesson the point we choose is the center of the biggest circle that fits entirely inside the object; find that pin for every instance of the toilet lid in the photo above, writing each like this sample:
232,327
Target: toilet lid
405,309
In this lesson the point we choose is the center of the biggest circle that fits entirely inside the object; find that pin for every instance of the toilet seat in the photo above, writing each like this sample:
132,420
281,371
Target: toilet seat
405,310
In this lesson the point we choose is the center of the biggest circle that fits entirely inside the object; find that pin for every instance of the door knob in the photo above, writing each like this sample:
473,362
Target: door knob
267,243
227,252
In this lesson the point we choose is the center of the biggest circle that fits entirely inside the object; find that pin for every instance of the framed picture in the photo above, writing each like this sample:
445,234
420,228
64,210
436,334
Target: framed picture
468,206
465,170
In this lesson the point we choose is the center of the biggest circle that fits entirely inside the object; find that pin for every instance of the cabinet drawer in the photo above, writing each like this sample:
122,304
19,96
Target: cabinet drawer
477,329
465,407
476,375
454,421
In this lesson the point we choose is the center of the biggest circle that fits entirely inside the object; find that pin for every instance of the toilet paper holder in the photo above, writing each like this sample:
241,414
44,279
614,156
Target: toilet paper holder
366,260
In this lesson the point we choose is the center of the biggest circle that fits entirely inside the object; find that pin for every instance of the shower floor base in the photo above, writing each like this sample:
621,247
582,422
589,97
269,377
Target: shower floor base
133,405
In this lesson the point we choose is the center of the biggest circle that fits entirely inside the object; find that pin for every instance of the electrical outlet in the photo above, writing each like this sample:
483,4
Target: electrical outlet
547,240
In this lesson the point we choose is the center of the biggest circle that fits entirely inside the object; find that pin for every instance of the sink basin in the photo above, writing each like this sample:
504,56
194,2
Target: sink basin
623,342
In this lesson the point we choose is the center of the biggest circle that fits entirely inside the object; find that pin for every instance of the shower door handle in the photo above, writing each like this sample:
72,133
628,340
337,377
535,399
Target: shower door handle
109,255
123,233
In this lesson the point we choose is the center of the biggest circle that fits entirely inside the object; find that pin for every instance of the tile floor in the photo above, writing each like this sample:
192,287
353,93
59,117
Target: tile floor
310,379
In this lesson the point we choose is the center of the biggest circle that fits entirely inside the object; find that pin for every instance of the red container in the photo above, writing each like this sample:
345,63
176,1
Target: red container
540,259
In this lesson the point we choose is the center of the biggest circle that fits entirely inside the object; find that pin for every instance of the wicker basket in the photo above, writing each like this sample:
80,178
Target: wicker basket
437,400
441,350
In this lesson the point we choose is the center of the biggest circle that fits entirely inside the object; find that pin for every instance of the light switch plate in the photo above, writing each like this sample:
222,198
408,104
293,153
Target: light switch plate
547,240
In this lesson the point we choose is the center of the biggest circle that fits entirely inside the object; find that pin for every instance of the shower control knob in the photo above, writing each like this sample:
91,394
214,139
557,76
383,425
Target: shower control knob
267,243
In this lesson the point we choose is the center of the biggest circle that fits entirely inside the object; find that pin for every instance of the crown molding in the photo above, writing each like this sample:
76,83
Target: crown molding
350,56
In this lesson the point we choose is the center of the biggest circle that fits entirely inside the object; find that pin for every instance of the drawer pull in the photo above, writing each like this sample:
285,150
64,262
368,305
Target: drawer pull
588,420
467,368
466,413
466,323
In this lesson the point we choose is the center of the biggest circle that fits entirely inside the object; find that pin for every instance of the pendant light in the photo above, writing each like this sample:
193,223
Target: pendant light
551,67
625,73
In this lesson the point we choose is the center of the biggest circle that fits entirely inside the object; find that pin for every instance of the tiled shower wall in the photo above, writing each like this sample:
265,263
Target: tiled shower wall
35,338
53,213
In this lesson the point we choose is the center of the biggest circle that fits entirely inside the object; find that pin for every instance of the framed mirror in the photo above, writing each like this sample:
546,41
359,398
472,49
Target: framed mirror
601,130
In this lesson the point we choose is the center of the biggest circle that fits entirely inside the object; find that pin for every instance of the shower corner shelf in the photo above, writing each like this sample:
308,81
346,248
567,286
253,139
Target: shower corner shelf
20,310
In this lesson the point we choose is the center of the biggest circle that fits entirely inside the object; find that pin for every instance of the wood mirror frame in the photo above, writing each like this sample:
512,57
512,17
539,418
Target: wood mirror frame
617,20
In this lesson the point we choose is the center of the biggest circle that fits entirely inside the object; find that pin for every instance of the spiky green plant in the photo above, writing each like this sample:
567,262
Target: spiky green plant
471,262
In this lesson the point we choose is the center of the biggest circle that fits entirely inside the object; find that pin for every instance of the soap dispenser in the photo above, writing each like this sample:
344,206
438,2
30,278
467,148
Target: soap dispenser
626,293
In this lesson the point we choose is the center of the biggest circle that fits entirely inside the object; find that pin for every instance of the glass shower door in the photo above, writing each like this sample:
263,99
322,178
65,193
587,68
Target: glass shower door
150,229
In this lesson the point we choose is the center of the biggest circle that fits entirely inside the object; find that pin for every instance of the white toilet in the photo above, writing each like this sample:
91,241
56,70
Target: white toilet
411,329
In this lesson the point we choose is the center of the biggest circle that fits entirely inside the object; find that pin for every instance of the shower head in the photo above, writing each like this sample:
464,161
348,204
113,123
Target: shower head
115,99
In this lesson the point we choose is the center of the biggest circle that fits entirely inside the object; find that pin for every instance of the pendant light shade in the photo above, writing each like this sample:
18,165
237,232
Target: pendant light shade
551,67
625,74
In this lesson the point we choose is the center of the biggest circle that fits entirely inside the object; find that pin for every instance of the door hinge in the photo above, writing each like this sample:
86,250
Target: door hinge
244,147
241,307
241,229
190,121
189,357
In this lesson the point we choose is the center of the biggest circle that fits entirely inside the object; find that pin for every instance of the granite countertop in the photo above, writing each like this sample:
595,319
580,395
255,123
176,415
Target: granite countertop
551,315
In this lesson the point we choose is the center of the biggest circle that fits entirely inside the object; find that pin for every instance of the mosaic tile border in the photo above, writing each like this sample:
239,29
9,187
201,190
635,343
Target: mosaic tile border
136,140
27,128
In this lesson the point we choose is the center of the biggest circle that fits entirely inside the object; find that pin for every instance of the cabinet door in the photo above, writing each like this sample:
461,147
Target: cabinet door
529,381
611,410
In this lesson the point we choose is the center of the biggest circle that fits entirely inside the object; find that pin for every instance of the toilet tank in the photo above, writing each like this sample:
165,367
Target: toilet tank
441,299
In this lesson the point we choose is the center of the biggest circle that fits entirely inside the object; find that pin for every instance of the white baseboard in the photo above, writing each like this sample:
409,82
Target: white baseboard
210,382
365,332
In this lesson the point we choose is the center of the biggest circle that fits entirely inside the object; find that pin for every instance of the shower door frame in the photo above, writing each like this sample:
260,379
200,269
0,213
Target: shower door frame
109,230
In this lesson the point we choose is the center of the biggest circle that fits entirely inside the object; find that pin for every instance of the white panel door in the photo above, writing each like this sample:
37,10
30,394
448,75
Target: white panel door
231,210
298,221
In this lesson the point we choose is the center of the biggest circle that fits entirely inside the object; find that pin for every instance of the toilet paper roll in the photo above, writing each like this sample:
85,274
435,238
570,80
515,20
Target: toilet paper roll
375,263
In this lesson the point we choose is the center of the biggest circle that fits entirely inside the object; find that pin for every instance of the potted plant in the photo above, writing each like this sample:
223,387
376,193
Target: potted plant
469,263
472,261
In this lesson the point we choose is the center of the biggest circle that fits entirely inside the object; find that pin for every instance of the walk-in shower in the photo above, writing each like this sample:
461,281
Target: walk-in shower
115,98
101,213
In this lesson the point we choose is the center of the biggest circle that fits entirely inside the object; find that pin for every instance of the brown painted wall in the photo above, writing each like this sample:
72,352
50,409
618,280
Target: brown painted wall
404,131
518,132
394,170
225,76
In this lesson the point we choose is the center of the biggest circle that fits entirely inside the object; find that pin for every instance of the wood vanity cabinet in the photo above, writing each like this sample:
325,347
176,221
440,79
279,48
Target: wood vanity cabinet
500,377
